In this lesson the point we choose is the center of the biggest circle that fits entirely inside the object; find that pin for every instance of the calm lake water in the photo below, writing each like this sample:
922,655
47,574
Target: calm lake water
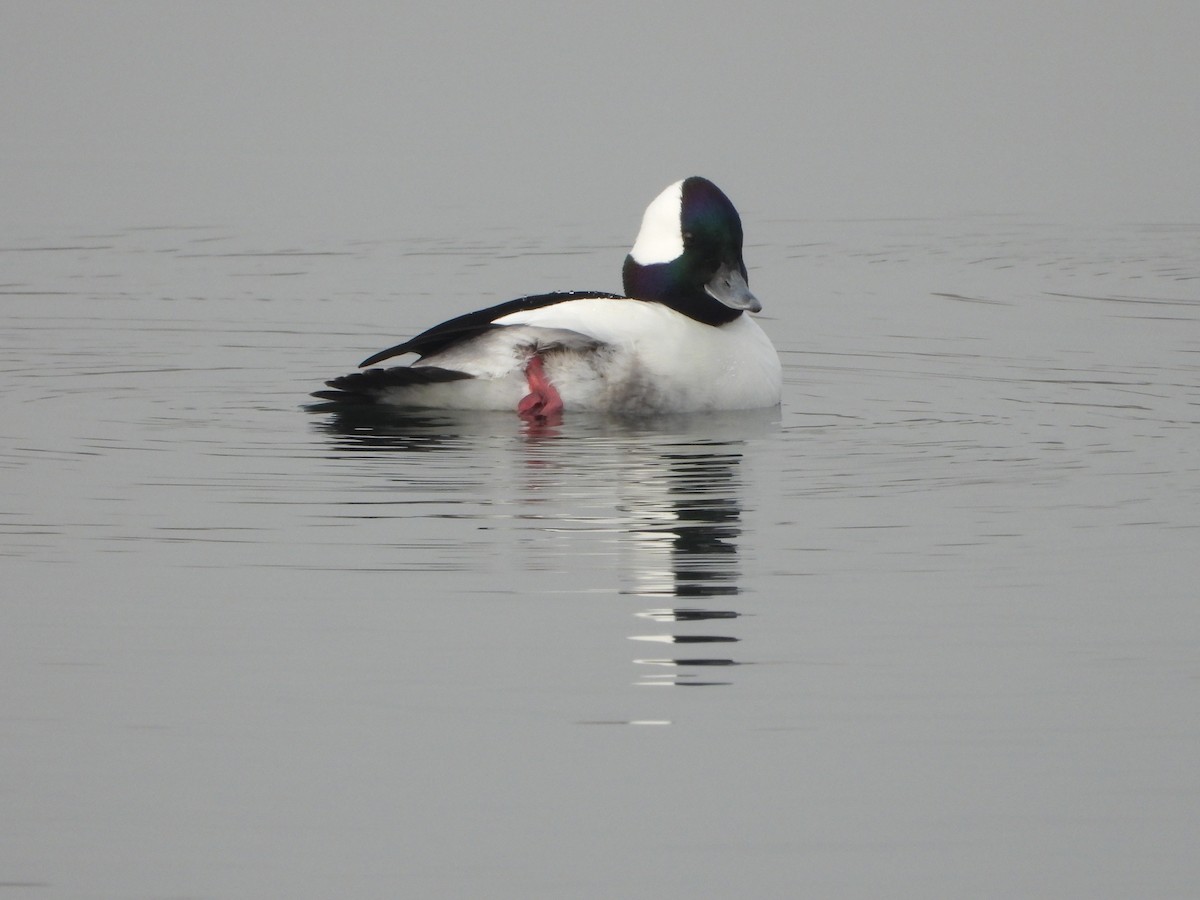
937,615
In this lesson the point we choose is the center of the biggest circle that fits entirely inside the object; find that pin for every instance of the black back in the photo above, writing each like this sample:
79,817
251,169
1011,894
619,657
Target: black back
466,326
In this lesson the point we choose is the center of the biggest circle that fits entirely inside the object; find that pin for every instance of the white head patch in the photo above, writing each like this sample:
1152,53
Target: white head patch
660,239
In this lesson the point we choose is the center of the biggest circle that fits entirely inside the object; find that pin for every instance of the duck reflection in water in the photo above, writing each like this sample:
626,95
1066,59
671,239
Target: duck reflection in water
672,495
682,542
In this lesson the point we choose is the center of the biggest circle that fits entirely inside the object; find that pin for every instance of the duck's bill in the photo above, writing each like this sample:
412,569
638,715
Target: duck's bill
729,286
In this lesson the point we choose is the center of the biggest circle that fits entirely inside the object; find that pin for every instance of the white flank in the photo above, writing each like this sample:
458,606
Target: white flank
662,360
660,239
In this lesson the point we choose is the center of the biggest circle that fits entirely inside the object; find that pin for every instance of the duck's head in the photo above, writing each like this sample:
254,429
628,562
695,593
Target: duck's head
688,254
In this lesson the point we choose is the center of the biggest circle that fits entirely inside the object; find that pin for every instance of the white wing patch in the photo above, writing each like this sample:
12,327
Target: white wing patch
503,351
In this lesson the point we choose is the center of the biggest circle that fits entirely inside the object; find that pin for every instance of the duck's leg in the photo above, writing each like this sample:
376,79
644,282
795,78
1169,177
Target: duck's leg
543,401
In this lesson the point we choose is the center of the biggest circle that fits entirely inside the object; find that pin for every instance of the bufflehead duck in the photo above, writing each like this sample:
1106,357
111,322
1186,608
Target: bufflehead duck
678,341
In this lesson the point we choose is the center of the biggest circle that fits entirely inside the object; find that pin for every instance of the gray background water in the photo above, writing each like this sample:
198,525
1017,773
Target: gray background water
941,620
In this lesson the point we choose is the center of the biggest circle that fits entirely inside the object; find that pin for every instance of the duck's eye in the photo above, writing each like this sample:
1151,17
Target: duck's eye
688,237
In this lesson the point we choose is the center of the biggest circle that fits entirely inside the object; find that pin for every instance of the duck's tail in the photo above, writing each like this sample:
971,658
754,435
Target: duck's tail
370,387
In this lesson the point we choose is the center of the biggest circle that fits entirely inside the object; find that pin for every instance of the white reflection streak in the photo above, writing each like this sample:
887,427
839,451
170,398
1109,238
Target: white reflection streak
647,554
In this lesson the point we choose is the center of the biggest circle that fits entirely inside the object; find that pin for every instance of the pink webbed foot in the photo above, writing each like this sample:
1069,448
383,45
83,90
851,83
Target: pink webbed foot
543,402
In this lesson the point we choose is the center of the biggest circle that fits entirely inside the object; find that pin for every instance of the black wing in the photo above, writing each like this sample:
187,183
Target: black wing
441,336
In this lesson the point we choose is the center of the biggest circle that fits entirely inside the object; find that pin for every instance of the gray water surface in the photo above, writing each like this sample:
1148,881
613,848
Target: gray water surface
937,614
